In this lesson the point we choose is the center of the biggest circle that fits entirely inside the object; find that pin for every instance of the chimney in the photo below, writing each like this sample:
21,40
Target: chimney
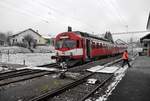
69,29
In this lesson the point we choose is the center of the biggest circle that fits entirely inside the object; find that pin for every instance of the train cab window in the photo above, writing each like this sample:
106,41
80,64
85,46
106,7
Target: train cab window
65,44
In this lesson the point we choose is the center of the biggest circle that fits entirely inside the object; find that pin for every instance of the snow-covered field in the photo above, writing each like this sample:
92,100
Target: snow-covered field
31,59
16,49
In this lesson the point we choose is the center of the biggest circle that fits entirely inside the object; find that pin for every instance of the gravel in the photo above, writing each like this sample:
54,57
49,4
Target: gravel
76,93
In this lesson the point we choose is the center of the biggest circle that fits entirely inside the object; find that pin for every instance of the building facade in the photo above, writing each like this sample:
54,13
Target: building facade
145,41
20,37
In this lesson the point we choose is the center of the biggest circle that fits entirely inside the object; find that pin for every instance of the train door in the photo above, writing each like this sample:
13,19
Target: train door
88,48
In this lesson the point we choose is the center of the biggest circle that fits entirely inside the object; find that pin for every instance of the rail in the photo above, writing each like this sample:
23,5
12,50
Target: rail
68,86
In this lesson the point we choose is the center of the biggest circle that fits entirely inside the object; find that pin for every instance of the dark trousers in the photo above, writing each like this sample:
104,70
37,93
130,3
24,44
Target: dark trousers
125,61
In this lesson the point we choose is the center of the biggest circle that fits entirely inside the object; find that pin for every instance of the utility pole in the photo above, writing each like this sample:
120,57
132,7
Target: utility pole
126,32
131,43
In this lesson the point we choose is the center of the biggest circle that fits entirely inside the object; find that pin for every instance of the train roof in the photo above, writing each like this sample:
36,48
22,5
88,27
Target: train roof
84,34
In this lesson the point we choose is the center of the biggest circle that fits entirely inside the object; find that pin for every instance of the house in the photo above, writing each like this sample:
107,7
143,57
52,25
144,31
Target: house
2,42
145,41
3,39
20,37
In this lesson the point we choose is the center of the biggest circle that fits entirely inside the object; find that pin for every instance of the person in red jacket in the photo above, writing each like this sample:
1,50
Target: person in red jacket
125,58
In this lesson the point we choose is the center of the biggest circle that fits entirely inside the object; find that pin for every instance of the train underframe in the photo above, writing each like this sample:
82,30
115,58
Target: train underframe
69,61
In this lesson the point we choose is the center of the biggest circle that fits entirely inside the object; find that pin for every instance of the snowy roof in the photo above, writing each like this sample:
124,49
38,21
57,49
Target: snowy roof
47,36
145,37
25,31
44,36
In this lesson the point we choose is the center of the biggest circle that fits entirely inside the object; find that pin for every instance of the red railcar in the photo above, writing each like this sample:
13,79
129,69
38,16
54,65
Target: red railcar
81,46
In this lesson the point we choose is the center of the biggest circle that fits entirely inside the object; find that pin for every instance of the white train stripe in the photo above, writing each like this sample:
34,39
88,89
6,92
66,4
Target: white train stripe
74,52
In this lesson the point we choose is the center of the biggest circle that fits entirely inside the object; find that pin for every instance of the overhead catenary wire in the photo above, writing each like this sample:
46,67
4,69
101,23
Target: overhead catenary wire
112,9
64,14
21,11
28,12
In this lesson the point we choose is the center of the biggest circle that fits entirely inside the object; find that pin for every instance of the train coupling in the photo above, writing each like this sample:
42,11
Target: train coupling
63,65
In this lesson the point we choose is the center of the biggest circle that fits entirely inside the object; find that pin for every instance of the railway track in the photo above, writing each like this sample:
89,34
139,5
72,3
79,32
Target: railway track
23,74
51,94
54,65
23,78
86,96
17,73
43,82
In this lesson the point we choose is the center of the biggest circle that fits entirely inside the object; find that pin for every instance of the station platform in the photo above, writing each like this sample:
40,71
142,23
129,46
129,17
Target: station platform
135,86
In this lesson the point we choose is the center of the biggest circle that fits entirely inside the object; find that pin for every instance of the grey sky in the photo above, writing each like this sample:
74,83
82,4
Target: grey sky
53,16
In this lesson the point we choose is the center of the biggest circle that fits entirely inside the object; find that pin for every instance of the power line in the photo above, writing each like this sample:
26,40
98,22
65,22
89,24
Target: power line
23,12
72,17
110,4
30,13
133,32
117,10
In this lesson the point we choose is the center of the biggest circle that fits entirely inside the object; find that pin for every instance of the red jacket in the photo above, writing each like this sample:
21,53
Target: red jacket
125,55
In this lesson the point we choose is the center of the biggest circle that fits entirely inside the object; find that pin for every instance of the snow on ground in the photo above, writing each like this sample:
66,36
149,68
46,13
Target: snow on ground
96,68
119,75
39,68
16,49
1,69
102,69
31,59
110,69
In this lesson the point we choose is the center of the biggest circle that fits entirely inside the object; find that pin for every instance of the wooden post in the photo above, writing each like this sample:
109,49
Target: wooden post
1,56
24,62
8,55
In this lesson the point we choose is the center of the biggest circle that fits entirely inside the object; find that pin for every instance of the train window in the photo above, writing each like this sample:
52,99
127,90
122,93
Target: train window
78,44
106,45
97,45
100,45
93,45
103,45
59,44
65,44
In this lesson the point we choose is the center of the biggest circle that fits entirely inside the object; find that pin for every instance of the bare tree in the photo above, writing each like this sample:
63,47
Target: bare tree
29,39
3,38
109,37
8,35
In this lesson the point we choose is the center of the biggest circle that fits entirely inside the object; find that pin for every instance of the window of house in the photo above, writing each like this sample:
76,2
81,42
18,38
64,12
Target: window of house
22,40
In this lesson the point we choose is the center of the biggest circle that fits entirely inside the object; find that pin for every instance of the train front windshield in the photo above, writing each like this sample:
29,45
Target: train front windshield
65,44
